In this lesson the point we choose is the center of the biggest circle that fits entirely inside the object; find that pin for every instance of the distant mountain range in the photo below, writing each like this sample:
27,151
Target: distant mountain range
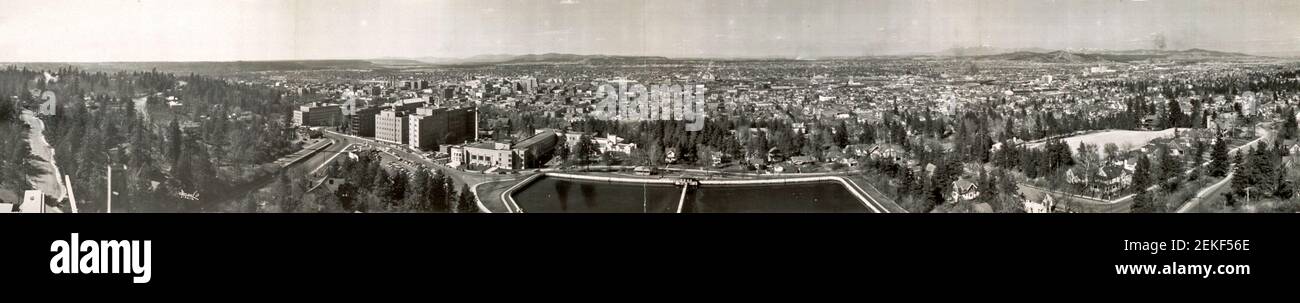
1099,56
987,51
210,67
534,58
977,53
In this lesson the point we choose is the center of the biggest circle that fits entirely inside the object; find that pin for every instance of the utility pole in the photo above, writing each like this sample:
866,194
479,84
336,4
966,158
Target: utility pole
72,199
109,192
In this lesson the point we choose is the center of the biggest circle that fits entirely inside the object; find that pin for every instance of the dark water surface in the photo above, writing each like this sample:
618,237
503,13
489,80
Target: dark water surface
552,195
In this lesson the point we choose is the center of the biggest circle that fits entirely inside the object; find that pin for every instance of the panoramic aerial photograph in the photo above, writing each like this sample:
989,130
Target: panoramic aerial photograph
649,106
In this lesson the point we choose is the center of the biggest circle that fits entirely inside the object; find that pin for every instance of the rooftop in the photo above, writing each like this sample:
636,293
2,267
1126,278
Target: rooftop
535,139
482,145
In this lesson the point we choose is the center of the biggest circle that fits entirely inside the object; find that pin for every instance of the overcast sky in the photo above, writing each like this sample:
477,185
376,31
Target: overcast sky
218,30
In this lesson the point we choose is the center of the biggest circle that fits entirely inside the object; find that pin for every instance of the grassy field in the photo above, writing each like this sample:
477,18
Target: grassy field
1124,139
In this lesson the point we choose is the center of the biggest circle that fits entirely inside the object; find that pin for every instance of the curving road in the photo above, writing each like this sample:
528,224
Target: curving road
1266,136
48,182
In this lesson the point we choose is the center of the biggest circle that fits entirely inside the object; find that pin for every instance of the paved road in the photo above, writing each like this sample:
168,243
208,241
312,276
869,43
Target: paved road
1266,136
48,182
1194,204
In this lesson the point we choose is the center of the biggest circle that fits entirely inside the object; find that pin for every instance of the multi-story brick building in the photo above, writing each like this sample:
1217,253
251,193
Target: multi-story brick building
317,114
432,126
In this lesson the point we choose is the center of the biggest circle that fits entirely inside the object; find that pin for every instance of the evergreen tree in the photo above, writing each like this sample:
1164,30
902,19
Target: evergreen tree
202,172
758,148
397,192
181,170
1008,131
1143,203
907,184
1174,118
655,154
450,201
584,150
289,202
417,192
346,193
989,188
436,193
174,142
562,148
466,202
1289,130
841,136
1198,152
1170,166
1219,157
705,156
1262,170
868,136
1242,179
383,185
1010,192
1142,174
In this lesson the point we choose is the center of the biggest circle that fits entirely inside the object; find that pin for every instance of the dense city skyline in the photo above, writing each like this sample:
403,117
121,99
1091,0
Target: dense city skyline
201,30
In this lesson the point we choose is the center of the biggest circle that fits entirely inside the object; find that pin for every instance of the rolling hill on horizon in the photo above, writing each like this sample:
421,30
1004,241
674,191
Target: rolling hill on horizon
1108,56
991,54
534,58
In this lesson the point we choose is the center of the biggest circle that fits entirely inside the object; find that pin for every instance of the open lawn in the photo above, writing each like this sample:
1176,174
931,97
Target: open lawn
1124,139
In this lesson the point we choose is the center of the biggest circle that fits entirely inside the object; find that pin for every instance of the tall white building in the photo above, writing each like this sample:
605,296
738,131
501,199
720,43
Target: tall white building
391,127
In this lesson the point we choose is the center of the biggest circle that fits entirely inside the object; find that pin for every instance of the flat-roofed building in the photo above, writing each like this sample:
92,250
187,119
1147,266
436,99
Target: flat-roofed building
433,126
540,144
483,155
317,114
363,122
408,105
390,126
528,153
